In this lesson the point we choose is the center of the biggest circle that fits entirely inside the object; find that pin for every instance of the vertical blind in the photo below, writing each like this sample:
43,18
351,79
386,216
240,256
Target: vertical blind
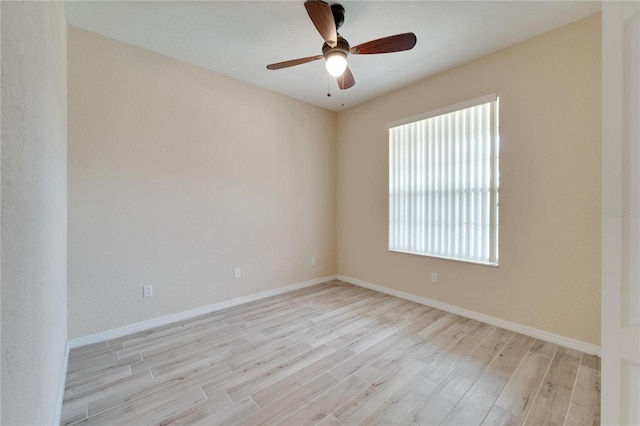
443,183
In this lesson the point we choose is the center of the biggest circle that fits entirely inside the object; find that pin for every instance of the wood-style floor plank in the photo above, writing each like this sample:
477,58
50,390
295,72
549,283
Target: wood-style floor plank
584,408
263,396
231,415
556,389
435,407
246,387
514,403
325,404
181,382
334,355
403,399
542,416
473,365
366,402
288,402
196,413
477,401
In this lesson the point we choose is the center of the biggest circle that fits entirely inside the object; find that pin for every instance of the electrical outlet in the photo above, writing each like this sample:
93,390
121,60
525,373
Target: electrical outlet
434,277
237,273
147,290
313,261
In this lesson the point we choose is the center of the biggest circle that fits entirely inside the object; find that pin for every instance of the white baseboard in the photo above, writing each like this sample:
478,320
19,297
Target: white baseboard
509,325
57,416
180,316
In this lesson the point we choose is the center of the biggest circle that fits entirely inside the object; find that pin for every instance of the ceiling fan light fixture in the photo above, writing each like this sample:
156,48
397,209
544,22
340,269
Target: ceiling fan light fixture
328,19
336,63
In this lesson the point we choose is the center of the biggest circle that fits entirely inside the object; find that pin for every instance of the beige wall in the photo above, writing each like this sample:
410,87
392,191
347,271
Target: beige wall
549,273
34,210
177,175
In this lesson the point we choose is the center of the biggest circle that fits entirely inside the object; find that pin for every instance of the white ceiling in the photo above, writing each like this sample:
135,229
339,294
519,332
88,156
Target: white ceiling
239,38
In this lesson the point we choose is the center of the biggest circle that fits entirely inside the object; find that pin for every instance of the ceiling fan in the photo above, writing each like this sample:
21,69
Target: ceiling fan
327,19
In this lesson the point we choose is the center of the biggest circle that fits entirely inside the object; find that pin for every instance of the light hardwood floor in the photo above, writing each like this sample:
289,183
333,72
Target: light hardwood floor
332,354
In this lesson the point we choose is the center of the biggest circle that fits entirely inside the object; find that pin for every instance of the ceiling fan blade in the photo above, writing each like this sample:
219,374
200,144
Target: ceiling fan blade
322,17
346,80
293,62
394,43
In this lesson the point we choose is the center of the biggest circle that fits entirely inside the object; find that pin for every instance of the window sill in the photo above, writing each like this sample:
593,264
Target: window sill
474,262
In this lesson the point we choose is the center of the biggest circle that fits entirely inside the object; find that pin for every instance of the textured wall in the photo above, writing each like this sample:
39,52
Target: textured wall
549,273
34,209
177,175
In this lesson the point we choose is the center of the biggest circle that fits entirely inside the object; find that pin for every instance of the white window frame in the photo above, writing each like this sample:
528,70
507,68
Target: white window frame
414,226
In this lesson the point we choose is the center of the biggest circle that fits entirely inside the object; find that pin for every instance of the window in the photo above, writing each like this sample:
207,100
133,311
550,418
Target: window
443,183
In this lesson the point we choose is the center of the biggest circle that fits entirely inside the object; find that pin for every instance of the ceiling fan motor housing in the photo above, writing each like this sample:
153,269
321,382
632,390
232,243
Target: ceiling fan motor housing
342,46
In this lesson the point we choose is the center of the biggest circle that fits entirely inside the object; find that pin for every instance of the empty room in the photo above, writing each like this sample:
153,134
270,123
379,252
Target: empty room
320,212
